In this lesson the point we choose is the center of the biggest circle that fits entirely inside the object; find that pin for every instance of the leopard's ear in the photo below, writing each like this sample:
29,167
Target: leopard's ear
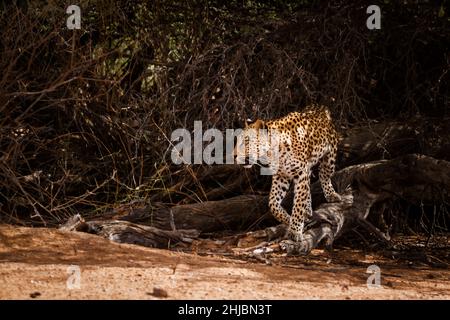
248,122
259,124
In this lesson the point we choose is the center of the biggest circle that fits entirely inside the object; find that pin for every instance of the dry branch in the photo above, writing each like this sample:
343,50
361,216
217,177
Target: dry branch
127,232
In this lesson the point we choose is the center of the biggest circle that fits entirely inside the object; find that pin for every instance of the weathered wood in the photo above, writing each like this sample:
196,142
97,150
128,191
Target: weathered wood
390,139
416,178
239,212
127,232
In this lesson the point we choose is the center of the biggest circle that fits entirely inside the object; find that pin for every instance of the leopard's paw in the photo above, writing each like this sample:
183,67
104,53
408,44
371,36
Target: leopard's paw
335,197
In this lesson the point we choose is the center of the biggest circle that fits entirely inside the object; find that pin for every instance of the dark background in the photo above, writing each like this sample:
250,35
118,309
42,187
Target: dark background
85,115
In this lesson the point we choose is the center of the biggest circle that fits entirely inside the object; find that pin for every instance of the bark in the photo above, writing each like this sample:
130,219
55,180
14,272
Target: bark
387,140
415,178
127,232
239,212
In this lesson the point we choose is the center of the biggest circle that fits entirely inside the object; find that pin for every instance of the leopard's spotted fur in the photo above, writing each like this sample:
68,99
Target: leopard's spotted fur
305,139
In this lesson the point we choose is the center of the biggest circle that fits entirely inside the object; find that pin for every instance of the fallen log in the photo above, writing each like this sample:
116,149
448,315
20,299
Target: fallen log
237,213
415,178
127,232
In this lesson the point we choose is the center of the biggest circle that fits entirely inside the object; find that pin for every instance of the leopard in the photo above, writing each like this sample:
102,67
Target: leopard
304,139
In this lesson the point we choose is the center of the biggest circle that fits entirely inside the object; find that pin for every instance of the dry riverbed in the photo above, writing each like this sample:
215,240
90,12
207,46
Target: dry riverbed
41,263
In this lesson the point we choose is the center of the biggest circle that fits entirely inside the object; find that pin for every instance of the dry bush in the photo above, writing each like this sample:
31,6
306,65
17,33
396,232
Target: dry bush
69,142
86,115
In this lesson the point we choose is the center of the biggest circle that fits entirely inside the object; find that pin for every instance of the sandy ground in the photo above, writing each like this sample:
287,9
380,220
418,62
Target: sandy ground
38,263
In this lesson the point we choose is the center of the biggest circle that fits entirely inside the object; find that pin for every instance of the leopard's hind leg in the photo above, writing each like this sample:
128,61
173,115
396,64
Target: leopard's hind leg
326,171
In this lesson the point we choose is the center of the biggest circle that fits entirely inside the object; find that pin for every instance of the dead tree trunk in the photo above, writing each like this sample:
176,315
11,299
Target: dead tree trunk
127,232
240,212
412,177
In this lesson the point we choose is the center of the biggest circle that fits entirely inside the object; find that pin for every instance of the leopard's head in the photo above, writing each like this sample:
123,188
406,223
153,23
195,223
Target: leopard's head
251,144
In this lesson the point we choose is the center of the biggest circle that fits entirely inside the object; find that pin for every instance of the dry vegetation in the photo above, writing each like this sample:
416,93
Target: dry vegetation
85,116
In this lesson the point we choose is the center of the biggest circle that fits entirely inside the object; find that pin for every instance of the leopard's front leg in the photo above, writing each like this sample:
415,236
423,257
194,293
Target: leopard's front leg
280,186
302,208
